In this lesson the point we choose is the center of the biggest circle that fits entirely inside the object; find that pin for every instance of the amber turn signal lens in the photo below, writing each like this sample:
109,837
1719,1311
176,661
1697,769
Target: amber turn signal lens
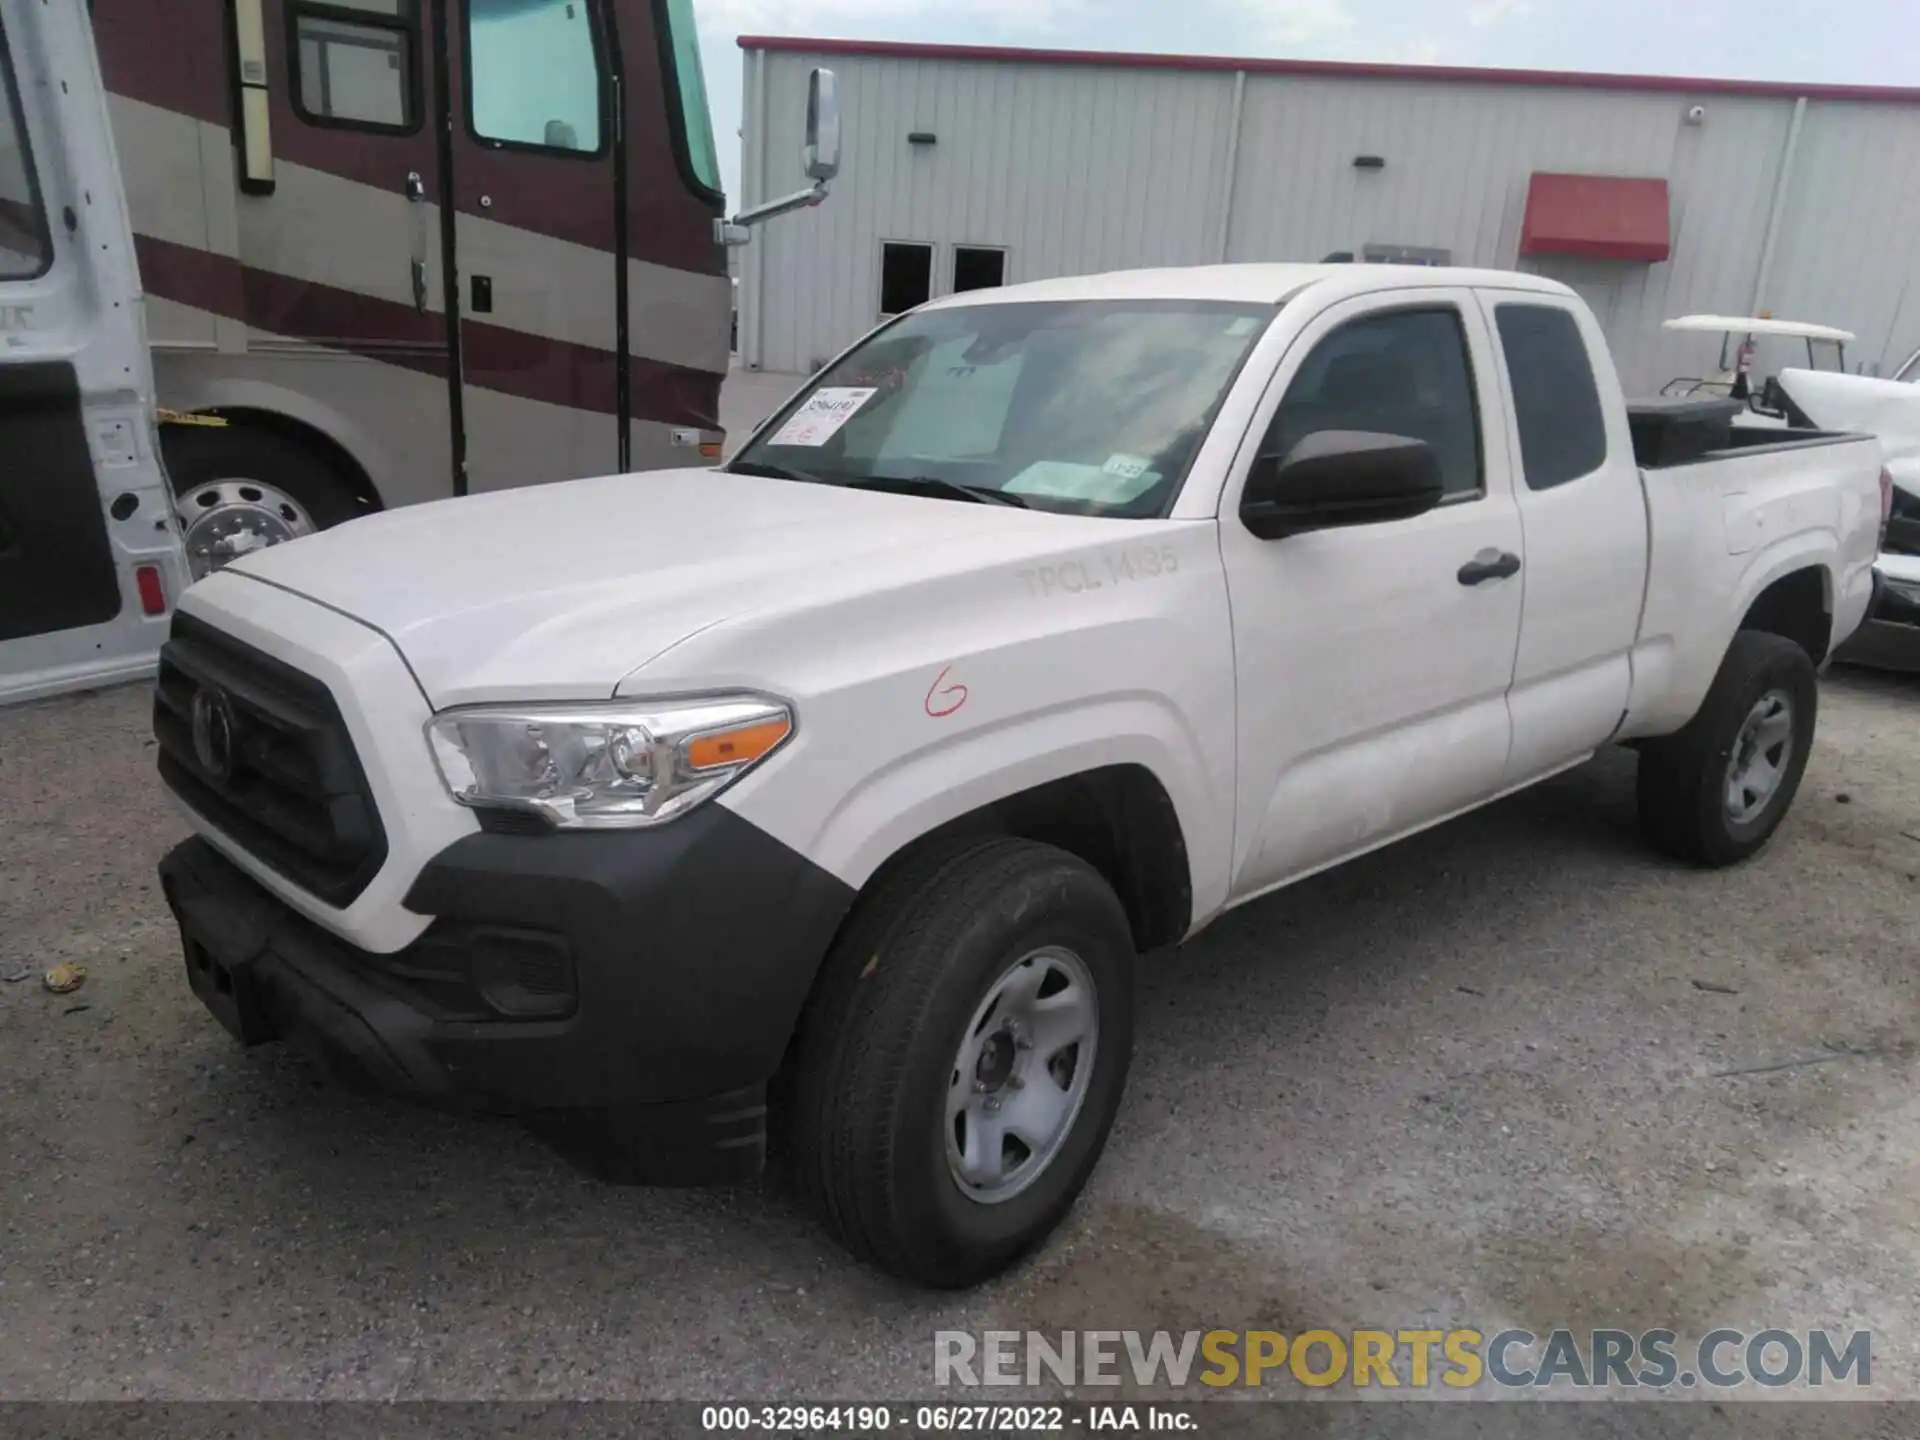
709,449
736,747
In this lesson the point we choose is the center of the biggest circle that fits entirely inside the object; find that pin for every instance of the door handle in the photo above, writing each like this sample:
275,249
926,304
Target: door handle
1490,565
416,187
420,286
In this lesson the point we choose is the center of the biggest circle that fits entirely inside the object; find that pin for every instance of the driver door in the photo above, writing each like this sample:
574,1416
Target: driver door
1374,660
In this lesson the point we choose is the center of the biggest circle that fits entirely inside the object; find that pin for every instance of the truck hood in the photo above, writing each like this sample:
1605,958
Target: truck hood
561,591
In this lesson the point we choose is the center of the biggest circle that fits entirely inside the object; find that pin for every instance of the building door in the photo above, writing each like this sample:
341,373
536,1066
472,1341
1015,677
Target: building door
535,145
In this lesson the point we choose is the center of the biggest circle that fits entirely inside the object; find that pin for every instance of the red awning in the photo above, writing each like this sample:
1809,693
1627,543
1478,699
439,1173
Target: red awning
1609,216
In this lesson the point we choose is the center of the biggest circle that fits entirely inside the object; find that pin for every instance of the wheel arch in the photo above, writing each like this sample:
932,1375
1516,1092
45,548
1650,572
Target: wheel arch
1788,590
338,458
1118,818
1152,771
346,446
1796,605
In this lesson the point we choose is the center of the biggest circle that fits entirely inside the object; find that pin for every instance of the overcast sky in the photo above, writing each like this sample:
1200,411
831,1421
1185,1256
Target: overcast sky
1825,41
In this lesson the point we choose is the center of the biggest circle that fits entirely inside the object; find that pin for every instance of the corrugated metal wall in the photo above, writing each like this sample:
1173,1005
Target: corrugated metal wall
1077,169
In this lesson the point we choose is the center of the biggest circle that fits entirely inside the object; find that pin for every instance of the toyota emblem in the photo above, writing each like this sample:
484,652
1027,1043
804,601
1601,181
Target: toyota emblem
213,732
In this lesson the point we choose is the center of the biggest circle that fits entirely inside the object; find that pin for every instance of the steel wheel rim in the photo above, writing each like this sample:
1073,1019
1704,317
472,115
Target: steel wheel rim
221,520
1020,1076
1761,751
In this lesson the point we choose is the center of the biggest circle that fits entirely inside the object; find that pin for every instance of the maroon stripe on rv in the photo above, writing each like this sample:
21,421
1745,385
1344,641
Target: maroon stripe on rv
582,377
170,55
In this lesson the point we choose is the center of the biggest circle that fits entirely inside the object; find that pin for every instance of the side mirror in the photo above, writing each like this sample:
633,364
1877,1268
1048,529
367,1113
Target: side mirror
823,126
822,159
1340,477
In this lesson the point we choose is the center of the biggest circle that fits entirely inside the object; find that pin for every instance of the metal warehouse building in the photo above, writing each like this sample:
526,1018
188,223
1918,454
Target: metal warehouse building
1651,196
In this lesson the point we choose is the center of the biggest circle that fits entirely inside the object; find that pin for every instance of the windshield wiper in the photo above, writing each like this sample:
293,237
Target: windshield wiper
979,494
778,472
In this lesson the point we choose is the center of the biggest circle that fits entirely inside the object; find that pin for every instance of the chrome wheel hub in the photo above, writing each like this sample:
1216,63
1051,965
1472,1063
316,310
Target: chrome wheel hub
1758,763
1021,1074
224,519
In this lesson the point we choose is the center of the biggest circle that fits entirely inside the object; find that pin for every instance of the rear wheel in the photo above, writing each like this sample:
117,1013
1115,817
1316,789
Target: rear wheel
963,1058
1714,792
238,489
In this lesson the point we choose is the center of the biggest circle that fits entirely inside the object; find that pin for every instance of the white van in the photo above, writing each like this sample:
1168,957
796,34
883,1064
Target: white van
90,559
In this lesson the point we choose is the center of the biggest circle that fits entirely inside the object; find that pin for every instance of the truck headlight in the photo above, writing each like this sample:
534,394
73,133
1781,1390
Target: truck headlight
604,767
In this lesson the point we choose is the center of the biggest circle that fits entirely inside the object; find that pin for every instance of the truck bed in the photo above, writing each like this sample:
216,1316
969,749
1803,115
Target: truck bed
1726,524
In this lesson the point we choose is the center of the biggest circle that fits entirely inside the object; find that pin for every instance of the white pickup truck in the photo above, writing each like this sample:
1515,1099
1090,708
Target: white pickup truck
848,780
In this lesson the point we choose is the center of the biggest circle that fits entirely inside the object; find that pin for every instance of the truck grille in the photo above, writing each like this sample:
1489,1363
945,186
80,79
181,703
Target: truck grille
260,750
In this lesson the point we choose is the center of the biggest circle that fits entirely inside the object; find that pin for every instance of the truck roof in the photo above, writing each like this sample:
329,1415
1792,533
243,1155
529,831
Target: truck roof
1253,283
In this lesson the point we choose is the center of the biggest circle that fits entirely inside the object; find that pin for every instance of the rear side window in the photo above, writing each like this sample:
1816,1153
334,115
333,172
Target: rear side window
26,250
1406,372
1563,433
534,74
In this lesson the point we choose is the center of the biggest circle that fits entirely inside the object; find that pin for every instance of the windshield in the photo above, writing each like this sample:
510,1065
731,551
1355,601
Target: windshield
1087,407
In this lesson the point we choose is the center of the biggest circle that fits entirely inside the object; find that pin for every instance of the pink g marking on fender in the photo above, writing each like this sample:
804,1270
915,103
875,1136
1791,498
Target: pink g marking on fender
950,699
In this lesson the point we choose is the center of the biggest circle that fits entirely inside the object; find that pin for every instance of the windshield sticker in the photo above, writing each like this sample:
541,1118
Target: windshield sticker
820,419
1127,467
1061,480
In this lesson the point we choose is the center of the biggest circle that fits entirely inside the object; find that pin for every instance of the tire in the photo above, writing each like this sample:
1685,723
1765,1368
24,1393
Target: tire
1686,779
239,487
878,1066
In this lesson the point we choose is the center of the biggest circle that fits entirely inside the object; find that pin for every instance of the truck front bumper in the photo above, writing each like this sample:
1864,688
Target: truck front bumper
627,994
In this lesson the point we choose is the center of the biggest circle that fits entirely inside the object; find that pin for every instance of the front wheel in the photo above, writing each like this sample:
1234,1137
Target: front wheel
963,1059
238,489
1714,792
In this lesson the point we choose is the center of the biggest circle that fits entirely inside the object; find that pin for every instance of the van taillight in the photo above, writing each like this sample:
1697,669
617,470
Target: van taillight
153,590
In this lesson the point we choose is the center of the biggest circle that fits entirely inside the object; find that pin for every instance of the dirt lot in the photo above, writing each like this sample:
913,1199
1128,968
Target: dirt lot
1470,1080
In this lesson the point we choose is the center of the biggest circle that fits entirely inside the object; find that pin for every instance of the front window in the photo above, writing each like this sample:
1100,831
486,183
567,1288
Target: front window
1085,407
695,120
534,74
1404,372
26,250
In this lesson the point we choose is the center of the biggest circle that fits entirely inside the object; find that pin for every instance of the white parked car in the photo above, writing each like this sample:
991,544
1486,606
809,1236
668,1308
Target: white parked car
845,783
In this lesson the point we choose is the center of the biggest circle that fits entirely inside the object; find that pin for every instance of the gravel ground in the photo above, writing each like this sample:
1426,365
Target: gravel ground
1468,1080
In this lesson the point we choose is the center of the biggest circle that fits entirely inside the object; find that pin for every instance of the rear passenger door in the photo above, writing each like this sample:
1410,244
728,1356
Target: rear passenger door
1373,660
1585,526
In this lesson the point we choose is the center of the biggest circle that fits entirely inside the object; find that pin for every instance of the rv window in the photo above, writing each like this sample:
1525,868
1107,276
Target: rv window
693,121
25,249
356,74
533,74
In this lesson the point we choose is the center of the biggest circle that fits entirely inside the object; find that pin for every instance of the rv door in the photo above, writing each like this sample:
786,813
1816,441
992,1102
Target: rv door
90,561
